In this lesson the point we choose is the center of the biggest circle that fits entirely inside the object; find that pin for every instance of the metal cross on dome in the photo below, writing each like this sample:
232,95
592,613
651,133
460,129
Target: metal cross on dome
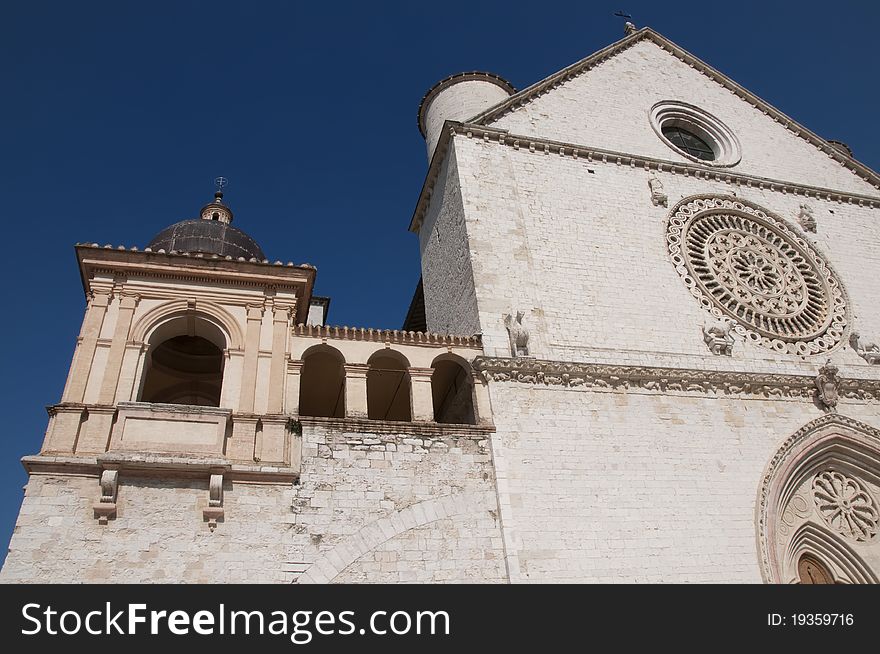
221,183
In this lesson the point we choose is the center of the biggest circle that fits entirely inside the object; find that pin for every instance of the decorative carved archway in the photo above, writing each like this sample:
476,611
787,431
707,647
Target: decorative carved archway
818,502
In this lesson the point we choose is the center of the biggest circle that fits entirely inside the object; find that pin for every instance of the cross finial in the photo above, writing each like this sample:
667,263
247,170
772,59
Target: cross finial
628,26
221,183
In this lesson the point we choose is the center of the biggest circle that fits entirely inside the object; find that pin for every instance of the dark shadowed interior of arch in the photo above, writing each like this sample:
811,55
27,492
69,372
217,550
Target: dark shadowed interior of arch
388,389
184,370
812,571
322,386
453,394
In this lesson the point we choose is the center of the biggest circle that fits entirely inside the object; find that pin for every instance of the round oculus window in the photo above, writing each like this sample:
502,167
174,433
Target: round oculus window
745,264
695,134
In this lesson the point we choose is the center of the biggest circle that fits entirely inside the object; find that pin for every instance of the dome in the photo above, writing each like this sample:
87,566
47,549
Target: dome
208,237
210,234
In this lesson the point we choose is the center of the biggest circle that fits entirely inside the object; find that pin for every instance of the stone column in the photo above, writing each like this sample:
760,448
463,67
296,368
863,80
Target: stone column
132,365
127,304
64,424
280,330
482,402
294,378
356,390
78,377
422,396
251,351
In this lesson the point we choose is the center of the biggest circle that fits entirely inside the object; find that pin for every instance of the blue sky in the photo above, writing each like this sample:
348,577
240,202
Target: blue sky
116,117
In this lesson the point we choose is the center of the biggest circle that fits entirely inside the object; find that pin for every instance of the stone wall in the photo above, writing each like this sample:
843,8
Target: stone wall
633,486
447,276
592,267
420,502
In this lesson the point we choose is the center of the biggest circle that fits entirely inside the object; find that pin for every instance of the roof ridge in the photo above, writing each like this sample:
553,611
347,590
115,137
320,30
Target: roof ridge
579,67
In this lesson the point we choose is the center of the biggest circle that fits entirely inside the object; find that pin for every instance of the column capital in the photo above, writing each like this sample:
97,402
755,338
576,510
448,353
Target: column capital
283,312
129,300
420,374
255,311
355,369
99,297
295,366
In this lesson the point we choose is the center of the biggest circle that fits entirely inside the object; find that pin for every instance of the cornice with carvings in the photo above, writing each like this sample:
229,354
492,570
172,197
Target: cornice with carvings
600,376
395,336
592,156
109,261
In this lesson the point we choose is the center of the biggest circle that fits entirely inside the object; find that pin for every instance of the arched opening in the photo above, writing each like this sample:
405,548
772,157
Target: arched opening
812,571
819,512
322,383
184,364
388,387
453,391
184,370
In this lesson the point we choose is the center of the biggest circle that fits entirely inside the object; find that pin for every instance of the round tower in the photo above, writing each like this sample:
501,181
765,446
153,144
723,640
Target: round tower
459,97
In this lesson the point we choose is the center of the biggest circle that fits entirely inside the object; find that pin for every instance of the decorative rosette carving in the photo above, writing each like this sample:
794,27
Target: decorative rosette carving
845,505
745,264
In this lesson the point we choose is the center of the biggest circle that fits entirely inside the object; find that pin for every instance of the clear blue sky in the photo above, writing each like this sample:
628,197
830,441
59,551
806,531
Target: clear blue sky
117,116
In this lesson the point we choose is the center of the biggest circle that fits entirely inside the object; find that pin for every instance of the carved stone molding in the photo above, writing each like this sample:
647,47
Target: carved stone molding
214,511
106,507
707,382
828,384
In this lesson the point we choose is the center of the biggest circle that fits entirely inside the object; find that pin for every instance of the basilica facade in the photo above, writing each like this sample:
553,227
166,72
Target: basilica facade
642,349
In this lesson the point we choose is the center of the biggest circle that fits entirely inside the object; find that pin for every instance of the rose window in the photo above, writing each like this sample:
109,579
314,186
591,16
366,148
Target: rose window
845,505
744,264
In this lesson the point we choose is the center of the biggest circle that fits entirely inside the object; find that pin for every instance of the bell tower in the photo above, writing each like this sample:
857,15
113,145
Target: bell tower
181,363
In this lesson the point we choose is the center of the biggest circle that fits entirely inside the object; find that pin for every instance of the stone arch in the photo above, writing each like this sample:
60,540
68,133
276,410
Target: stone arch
830,442
389,387
332,562
452,390
816,540
185,326
322,382
213,313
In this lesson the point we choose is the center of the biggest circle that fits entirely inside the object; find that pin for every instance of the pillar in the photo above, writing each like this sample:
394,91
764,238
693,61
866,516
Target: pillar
356,390
78,377
294,379
422,395
251,352
280,329
127,304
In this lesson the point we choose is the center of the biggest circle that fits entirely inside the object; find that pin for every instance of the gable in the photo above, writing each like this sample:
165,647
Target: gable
608,104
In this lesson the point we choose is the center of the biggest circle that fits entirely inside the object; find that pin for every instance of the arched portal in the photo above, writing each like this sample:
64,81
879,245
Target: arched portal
322,385
388,387
819,505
